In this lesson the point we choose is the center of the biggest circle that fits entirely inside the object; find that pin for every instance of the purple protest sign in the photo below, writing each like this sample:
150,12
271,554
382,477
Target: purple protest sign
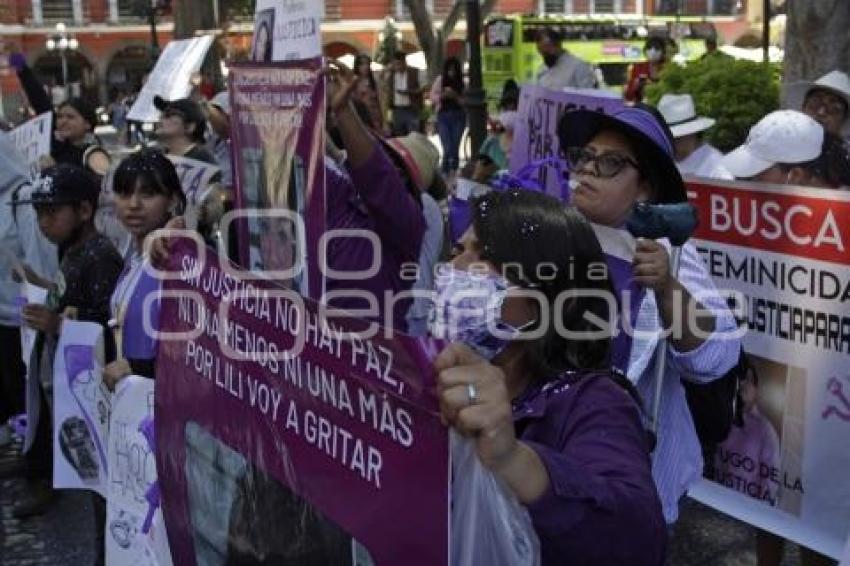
278,121
536,130
334,455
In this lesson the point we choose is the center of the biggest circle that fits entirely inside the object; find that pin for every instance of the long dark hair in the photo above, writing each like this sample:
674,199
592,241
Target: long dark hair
151,170
833,163
520,232
359,60
456,82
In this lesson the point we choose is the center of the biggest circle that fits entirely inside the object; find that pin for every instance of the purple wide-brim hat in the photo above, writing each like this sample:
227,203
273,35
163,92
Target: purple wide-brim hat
578,127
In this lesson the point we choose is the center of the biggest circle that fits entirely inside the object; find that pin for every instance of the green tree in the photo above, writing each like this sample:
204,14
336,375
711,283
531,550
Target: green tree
735,93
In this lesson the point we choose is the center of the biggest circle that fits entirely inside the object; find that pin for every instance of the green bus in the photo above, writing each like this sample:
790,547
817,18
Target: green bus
610,42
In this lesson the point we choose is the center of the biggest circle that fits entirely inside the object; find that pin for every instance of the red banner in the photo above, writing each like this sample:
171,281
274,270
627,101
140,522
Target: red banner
775,219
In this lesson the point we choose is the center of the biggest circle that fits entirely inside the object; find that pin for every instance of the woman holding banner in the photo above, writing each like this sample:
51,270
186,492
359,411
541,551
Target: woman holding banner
527,379
617,161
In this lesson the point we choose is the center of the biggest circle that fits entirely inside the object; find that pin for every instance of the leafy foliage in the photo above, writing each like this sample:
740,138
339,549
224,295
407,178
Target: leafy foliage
735,93
389,44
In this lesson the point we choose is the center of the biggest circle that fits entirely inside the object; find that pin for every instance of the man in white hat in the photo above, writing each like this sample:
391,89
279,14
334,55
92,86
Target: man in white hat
693,155
827,100
778,150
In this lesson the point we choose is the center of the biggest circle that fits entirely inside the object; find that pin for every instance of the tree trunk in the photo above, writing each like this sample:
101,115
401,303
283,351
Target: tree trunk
190,16
433,43
817,39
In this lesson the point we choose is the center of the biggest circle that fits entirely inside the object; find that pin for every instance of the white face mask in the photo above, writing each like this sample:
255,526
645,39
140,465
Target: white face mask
653,54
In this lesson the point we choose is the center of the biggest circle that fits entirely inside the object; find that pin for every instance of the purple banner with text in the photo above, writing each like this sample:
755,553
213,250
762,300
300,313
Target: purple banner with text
285,437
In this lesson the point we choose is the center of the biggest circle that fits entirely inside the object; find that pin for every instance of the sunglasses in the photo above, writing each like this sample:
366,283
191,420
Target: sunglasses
605,164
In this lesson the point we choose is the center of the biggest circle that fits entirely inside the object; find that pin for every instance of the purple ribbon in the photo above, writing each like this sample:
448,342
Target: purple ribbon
153,495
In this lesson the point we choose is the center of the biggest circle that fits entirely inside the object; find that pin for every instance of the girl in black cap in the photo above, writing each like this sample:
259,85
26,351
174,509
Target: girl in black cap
74,121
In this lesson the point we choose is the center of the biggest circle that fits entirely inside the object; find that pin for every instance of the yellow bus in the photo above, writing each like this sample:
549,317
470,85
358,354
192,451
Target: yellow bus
610,42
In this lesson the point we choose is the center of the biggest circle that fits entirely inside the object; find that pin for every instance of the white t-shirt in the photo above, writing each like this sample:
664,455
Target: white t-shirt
400,83
704,162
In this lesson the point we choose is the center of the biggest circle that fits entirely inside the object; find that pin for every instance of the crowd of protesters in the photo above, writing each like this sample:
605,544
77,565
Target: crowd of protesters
561,424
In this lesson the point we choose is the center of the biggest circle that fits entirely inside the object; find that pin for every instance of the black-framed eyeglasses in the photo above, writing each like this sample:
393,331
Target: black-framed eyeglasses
605,164
833,105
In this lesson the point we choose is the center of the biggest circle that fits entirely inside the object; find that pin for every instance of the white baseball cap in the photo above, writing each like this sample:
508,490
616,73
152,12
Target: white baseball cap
222,100
783,136
681,116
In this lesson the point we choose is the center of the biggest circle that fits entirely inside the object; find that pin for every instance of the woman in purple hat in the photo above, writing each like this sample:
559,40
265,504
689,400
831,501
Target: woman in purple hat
617,161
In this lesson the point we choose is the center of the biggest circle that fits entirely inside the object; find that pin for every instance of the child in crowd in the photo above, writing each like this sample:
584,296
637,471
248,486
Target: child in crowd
65,200
147,195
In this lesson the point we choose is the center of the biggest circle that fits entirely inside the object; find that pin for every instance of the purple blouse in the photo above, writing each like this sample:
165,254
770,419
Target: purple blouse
372,198
601,506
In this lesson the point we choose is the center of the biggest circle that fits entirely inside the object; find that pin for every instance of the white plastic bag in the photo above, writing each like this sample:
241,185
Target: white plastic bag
489,525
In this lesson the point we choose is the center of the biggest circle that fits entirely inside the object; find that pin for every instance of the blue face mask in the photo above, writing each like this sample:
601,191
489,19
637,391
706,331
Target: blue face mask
468,309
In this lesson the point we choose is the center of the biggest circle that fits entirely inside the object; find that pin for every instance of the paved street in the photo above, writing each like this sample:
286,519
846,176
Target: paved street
64,537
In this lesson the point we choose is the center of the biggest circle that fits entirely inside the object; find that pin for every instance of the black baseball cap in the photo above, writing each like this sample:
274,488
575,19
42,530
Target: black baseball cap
187,108
63,184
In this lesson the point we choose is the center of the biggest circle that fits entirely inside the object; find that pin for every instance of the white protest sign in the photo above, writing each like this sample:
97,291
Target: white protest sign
784,251
287,30
195,177
81,405
32,138
31,295
845,557
132,473
171,76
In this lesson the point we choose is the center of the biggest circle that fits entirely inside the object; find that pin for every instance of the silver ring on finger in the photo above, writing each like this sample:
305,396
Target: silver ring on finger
471,393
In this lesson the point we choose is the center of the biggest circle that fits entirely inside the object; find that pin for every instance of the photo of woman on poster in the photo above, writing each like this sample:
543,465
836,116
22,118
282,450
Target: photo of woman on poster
750,455
261,51
231,526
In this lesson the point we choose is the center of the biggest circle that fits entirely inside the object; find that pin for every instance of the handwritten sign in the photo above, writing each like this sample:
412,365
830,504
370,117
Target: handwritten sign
536,131
195,177
32,138
132,474
82,406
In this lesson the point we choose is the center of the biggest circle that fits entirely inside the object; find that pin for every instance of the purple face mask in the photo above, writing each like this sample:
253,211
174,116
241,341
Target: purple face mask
468,309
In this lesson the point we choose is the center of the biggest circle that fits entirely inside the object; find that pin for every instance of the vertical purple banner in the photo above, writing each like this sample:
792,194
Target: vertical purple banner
285,438
536,131
279,147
